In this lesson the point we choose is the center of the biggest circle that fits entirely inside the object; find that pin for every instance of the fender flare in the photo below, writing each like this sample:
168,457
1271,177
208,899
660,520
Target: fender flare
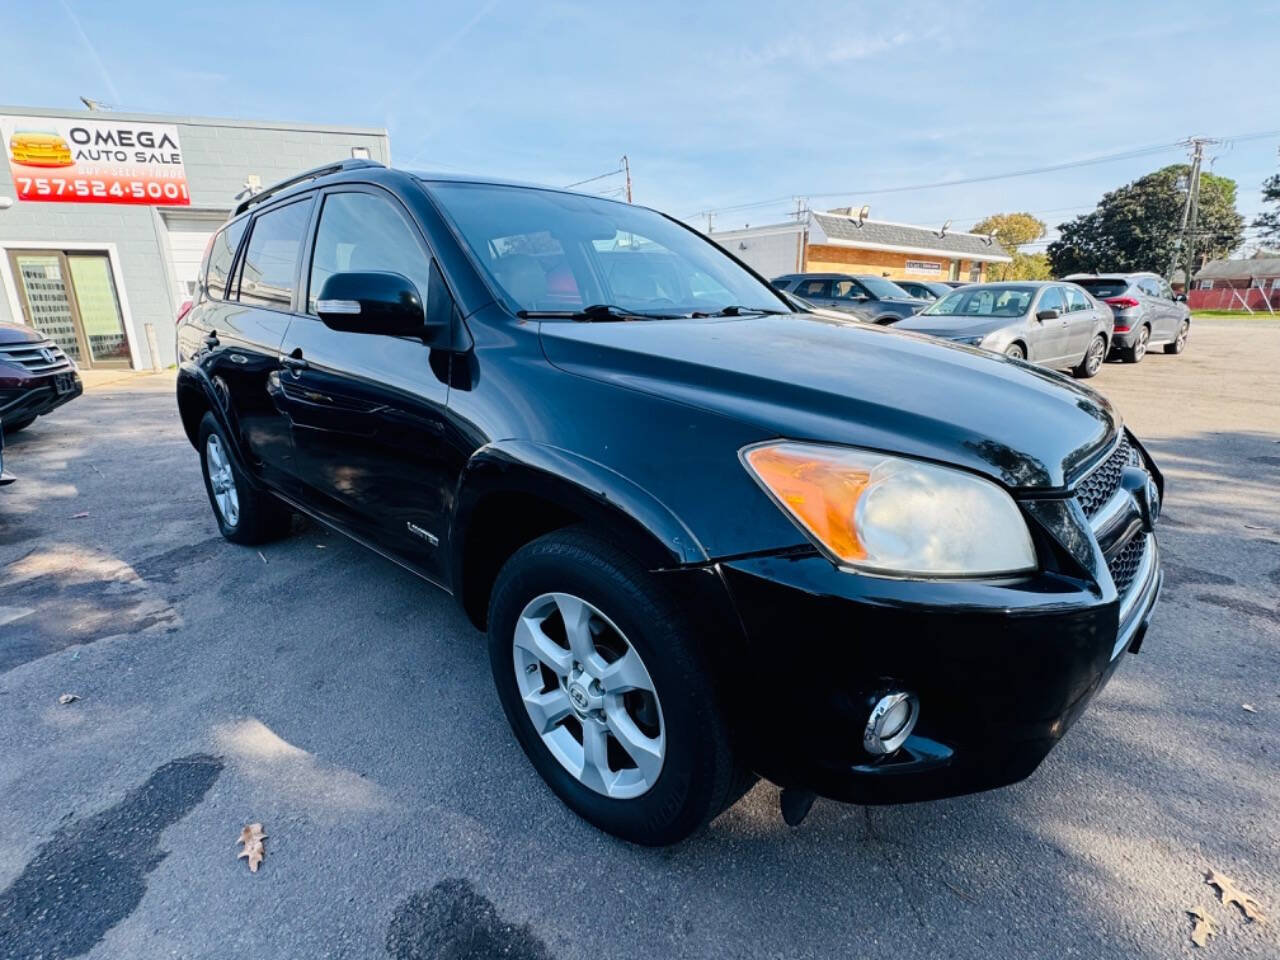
194,387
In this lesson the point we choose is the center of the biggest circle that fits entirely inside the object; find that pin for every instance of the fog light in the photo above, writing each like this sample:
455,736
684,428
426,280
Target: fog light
891,722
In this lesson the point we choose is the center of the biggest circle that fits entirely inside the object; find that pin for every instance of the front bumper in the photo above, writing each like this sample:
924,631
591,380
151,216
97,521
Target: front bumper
24,395
1002,670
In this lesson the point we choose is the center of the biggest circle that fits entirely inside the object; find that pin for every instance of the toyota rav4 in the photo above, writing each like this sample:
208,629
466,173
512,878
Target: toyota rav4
710,537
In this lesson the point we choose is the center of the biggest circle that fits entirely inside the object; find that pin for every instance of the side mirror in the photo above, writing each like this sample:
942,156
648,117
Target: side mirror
1179,298
385,303
1050,314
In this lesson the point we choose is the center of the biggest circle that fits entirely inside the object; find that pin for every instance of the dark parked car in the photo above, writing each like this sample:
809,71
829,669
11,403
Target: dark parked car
35,376
1147,312
928,290
1052,324
709,537
868,298
5,478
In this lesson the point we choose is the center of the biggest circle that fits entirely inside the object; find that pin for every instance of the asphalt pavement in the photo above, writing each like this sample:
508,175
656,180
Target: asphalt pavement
318,689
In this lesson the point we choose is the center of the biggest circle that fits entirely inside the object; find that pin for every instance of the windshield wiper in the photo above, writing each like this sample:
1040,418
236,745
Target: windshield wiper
596,313
733,310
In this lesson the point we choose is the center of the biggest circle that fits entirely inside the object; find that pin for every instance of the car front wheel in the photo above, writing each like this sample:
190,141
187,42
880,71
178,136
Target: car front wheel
1180,341
245,514
1091,362
1015,350
600,675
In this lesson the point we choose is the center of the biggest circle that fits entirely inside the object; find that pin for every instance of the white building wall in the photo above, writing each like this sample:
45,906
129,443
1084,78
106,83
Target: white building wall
769,251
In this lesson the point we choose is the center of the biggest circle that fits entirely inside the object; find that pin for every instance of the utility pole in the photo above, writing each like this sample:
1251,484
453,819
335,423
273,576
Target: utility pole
1191,209
711,215
626,168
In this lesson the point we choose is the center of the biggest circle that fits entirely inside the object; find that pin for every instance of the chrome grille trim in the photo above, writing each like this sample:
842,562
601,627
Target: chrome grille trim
30,356
1097,488
1136,599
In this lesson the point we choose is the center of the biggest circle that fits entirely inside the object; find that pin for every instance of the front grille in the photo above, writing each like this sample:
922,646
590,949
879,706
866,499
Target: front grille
1124,565
43,357
1102,483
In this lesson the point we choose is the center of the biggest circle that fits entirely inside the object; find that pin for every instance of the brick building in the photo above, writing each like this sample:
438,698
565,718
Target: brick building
839,242
104,216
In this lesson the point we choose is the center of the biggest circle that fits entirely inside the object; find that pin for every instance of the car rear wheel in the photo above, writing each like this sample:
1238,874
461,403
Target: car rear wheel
245,514
1135,353
1179,342
598,670
1016,351
1091,362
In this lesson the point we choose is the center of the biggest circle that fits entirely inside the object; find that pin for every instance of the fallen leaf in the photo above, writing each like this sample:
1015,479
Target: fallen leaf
1203,928
1229,893
252,837
68,698
1248,708
261,557
80,516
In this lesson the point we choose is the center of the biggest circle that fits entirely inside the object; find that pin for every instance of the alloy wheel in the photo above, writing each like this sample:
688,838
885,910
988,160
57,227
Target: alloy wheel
589,695
222,481
1093,360
1140,348
1015,351
1181,342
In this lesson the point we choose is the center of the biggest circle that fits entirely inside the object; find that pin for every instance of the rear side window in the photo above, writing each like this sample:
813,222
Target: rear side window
1103,287
361,232
270,265
222,251
1076,300
814,288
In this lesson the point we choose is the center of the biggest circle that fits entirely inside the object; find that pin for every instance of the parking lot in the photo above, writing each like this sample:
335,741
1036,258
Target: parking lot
321,690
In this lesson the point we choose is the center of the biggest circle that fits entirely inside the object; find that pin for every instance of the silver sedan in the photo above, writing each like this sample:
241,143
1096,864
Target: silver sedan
1054,324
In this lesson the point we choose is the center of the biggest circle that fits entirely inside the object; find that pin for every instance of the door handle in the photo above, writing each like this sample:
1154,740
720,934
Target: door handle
294,362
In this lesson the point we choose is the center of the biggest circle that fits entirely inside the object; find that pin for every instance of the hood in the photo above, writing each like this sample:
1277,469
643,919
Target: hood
805,378
954,327
915,303
20,333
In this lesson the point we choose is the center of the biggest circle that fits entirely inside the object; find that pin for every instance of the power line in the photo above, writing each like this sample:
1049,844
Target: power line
602,176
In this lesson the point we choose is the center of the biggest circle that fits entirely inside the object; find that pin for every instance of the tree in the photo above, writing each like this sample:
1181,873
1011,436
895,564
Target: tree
1013,230
1138,226
1027,266
1269,221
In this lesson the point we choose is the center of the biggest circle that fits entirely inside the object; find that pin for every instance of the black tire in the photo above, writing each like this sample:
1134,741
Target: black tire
887,319
1091,362
261,518
699,776
1179,343
1015,351
1135,353
16,425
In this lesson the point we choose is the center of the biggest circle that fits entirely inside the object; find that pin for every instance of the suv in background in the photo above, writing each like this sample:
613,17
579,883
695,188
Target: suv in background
1147,312
869,298
35,376
925,289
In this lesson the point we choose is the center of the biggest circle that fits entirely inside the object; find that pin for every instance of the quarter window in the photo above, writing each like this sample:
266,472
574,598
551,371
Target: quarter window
270,266
222,251
362,232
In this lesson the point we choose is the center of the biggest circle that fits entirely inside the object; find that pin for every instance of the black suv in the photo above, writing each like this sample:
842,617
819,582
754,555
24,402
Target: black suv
710,537
869,298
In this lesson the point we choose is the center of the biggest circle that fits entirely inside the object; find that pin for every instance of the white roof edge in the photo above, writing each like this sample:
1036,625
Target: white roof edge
760,231
930,251
181,120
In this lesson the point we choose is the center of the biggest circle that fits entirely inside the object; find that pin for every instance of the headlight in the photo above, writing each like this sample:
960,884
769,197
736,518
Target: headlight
970,341
893,516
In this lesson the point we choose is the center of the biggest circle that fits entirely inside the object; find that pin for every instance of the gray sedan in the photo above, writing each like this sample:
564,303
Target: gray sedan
1053,324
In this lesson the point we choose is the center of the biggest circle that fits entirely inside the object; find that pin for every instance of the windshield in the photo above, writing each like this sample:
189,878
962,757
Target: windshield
996,301
883,288
1103,286
552,251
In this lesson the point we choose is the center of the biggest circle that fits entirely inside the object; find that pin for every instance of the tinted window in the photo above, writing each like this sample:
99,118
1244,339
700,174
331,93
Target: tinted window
548,250
362,232
1166,291
1052,300
1149,287
847,290
781,284
271,258
1103,287
1076,300
814,288
222,250
884,289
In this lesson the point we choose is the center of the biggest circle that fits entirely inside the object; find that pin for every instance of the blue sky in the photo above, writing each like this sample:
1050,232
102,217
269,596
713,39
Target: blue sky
716,104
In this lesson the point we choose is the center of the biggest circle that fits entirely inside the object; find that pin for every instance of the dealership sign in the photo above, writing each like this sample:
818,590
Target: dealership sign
924,266
57,160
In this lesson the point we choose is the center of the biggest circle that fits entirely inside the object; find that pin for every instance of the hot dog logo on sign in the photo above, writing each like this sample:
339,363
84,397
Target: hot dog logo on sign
66,160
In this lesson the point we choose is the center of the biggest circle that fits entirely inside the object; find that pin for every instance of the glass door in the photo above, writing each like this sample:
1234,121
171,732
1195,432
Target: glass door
71,299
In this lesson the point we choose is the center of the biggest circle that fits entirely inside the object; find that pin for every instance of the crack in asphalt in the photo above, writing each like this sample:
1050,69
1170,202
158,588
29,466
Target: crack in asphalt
92,873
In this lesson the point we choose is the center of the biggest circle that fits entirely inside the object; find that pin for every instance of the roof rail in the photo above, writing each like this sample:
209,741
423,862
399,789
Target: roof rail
355,163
